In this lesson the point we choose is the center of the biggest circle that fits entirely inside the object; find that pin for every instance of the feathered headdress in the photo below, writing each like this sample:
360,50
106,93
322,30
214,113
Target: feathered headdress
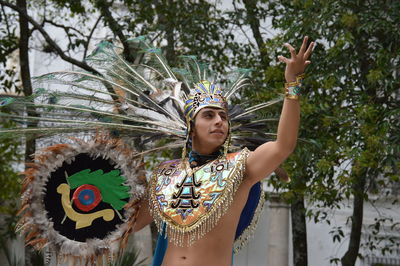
142,102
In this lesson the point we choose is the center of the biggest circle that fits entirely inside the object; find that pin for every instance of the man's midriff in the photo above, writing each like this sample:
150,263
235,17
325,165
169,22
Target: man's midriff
216,247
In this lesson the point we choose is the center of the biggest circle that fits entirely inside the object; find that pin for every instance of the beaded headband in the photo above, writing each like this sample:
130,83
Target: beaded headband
206,94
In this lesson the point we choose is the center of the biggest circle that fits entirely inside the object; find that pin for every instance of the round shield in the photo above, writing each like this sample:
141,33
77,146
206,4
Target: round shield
80,199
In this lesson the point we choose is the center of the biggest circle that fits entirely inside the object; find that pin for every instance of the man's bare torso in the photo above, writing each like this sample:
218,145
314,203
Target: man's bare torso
215,248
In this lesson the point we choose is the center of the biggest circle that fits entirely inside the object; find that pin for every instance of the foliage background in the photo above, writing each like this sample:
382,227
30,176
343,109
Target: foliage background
350,146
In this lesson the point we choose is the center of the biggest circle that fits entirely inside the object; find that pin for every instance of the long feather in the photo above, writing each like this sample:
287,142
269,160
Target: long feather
259,107
161,60
86,75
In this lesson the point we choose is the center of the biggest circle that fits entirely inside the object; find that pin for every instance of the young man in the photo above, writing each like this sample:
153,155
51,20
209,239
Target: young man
197,202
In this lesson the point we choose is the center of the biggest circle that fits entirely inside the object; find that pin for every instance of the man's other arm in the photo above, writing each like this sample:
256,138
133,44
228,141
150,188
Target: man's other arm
143,217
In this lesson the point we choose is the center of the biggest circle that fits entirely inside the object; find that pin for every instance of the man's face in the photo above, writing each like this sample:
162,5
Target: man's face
210,130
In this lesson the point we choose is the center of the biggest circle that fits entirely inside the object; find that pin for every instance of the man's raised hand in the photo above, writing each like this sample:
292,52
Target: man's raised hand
296,64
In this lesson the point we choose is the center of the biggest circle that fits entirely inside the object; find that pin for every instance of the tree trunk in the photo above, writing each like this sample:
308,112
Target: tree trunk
350,257
254,22
25,71
299,232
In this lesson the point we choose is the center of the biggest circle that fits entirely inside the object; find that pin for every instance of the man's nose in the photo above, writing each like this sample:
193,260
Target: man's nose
218,119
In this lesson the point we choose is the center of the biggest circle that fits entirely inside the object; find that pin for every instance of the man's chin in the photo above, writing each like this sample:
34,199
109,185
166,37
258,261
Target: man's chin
217,144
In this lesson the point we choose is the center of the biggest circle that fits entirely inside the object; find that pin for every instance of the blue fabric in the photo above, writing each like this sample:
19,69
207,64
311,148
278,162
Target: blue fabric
161,248
245,219
249,209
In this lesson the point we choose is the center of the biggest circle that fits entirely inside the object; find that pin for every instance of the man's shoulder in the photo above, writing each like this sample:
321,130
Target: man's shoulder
243,153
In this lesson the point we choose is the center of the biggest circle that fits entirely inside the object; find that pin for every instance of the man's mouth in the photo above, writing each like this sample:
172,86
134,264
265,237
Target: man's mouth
218,132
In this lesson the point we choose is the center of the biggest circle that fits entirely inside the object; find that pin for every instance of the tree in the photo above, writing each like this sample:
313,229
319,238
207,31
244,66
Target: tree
352,101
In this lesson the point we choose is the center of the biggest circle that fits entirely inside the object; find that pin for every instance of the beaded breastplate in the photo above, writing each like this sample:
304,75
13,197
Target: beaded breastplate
191,201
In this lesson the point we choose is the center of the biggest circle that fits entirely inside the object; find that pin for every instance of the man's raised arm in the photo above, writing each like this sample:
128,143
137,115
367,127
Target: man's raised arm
270,155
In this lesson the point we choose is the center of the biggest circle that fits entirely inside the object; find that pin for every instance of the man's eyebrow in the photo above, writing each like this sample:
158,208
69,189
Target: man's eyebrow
222,113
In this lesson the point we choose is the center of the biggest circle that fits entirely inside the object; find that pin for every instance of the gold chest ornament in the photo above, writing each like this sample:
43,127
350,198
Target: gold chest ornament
190,202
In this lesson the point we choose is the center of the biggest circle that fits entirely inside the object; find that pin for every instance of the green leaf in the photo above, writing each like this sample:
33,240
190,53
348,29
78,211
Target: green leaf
111,185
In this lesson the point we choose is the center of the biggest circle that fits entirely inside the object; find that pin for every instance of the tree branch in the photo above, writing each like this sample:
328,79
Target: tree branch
90,36
104,7
66,28
49,40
